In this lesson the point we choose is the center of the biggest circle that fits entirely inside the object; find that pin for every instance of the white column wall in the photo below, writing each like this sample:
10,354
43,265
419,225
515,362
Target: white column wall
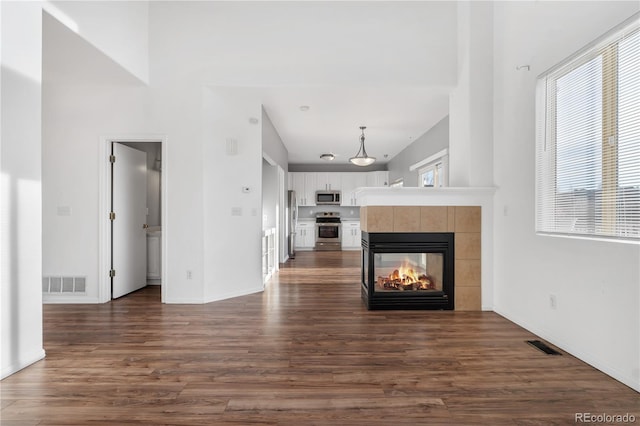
471,113
20,187
176,111
233,218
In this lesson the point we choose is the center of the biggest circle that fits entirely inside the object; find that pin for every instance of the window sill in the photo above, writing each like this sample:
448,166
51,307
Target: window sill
591,238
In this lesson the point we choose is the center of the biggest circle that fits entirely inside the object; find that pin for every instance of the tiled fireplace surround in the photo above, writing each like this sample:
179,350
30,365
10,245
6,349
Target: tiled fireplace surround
463,221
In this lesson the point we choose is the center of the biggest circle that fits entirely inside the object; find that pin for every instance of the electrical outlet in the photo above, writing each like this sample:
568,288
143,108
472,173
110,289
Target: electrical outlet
189,275
553,301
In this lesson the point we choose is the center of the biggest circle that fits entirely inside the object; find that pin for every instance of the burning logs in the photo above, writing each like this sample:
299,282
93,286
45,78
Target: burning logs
405,280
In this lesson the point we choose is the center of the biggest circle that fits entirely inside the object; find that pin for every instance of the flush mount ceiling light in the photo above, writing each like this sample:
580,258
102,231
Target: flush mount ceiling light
327,157
361,158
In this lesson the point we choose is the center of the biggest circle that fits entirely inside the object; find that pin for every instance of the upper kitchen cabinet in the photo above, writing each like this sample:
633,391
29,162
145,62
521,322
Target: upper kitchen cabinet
328,181
375,179
307,183
350,182
305,186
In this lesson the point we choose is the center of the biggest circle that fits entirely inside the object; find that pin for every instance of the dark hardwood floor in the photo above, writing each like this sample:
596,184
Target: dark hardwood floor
304,352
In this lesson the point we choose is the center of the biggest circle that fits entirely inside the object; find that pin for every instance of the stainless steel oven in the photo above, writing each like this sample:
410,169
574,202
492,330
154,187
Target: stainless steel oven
328,231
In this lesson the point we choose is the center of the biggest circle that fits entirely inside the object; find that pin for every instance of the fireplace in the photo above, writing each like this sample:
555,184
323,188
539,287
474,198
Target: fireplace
408,270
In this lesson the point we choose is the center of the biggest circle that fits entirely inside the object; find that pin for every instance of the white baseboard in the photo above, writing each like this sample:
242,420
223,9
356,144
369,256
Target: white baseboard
49,299
230,295
22,363
589,358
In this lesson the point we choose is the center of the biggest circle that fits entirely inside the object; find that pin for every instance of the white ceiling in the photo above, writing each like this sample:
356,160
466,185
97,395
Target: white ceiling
385,65
394,118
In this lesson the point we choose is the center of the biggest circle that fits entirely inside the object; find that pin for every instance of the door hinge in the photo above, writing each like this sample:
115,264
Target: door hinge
112,273
112,158
112,215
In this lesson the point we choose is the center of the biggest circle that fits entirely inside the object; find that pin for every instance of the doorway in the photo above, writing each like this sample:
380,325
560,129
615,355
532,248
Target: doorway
149,225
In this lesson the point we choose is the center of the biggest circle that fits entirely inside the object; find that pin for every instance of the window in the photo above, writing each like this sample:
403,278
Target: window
588,141
433,171
398,183
432,176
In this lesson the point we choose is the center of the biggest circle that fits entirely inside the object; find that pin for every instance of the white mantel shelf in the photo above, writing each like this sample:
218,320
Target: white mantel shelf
412,196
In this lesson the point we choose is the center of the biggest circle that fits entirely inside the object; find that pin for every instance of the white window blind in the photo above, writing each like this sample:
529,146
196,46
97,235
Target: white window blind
588,141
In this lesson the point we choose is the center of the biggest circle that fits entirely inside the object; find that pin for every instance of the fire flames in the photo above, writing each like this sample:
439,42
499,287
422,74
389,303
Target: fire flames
405,278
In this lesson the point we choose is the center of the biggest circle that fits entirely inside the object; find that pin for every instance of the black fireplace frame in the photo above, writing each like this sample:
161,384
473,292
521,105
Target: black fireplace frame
401,242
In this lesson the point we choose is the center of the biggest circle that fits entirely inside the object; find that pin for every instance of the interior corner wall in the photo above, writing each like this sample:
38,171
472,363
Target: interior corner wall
272,144
119,29
232,159
269,195
431,142
596,283
20,190
274,148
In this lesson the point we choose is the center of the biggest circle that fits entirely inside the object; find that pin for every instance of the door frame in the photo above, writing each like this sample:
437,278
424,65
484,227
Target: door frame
104,203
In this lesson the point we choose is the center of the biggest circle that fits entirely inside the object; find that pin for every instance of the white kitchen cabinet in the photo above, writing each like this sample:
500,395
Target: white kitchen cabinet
376,179
351,235
328,181
306,234
304,184
350,182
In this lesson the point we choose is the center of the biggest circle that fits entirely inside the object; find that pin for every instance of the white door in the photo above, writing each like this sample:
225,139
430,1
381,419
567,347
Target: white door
128,237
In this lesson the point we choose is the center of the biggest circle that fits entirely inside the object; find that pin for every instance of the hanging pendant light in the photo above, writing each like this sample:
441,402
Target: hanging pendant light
361,158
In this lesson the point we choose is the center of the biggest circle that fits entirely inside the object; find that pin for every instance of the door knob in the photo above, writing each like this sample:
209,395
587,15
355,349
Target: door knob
145,226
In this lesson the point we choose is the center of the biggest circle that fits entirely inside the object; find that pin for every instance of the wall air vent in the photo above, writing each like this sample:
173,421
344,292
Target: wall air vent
64,285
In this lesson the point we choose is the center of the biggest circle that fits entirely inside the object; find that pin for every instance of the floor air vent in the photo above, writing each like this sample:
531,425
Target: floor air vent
64,285
543,347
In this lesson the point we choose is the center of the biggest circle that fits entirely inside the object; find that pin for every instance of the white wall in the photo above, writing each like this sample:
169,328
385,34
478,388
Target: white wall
597,284
281,42
471,114
20,188
274,149
232,228
433,141
272,145
74,120
269,194
119,29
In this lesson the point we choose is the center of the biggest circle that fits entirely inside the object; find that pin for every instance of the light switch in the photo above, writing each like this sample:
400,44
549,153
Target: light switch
236,211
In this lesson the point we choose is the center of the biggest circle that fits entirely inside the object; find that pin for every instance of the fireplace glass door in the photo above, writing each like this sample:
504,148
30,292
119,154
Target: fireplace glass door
422,272
408,270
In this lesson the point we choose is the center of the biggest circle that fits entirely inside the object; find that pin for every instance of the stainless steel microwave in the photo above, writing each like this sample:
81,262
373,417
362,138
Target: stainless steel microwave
327,197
